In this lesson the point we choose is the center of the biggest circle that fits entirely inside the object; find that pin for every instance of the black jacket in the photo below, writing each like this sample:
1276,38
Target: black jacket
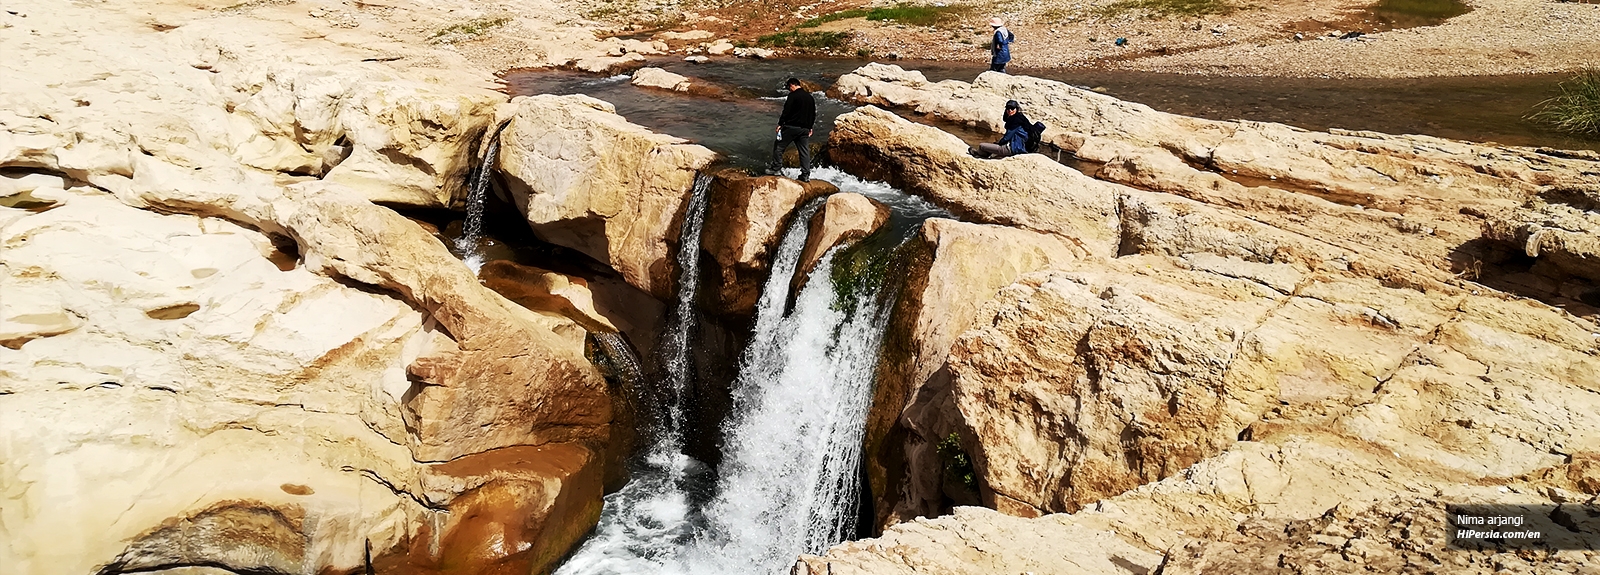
799,111
1015,120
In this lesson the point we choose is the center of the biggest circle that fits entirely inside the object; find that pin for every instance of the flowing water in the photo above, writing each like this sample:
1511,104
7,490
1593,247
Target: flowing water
788,482
477,194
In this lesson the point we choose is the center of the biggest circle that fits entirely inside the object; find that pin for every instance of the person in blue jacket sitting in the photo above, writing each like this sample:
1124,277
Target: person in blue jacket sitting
1015,140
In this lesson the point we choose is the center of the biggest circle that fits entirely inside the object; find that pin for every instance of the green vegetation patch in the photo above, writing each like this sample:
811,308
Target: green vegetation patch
1439,9
1576,109
468,30
1157,8
805,40
911,14
957,463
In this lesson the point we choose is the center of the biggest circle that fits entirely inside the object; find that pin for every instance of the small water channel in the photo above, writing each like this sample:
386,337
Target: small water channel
1481,109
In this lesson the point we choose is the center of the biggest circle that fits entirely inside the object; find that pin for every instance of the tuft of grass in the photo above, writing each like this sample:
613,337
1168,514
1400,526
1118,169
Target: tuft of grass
805,40
468,30
1576,109
1159,8
902,13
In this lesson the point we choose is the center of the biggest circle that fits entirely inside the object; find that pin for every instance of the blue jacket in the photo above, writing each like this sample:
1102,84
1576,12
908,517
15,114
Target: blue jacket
1016,138
1002,45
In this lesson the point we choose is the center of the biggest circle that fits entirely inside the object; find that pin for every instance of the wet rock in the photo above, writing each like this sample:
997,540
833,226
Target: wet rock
697,59
660,79
844,218
743,223
545,291
589,180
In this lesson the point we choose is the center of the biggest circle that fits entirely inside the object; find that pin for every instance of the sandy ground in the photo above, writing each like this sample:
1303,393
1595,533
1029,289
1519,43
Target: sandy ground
1497,37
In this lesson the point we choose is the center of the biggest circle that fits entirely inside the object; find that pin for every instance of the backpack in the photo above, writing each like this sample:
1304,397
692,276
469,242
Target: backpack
1035,134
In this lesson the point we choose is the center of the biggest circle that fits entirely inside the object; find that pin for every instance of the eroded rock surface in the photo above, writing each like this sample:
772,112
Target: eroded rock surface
1218,377
218,351
589,180
745,218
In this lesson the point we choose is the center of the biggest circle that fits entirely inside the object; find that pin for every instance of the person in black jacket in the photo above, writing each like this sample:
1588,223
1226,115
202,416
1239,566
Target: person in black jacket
794,126
1016,134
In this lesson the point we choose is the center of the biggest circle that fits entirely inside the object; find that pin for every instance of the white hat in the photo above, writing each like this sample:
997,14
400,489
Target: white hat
996,22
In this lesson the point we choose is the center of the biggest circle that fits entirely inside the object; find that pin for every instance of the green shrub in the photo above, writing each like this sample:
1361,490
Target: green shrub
956,462
1577,108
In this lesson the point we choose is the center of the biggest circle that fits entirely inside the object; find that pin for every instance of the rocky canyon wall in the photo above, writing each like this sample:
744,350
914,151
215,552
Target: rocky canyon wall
1212,371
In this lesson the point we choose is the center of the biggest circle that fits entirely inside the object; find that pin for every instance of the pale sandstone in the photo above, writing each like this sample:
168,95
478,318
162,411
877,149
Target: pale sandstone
660,79
845,217
589,180
1207,374
743,223
297,403
956,267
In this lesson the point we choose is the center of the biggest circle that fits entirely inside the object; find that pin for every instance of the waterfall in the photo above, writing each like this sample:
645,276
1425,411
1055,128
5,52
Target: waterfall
788,482
477,190
675,347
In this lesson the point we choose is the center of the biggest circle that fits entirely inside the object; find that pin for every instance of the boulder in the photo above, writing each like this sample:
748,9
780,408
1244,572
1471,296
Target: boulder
955,266
721,47
1028,191
545,291
757,53
745,219
589,180
844,218
660,79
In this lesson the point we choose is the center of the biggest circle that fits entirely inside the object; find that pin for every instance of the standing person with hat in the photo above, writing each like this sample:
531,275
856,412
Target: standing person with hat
794,126
1001,48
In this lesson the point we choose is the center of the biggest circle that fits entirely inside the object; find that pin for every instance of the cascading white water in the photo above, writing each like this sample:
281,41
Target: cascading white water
787,484
477,192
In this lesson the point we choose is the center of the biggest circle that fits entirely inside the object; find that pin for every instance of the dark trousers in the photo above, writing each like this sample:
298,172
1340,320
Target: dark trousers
997,67
799,137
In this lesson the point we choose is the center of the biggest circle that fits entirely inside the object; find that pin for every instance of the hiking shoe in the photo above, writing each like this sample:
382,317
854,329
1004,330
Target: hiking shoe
805,178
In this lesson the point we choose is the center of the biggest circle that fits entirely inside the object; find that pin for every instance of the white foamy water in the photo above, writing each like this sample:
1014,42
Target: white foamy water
788,483
477,192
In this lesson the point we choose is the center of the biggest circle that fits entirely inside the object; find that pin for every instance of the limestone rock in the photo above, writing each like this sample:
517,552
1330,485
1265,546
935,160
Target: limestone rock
545,291
844,218
589,180
1560,226
956,267
744,221
660,79
1028,191
721,47
757,53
